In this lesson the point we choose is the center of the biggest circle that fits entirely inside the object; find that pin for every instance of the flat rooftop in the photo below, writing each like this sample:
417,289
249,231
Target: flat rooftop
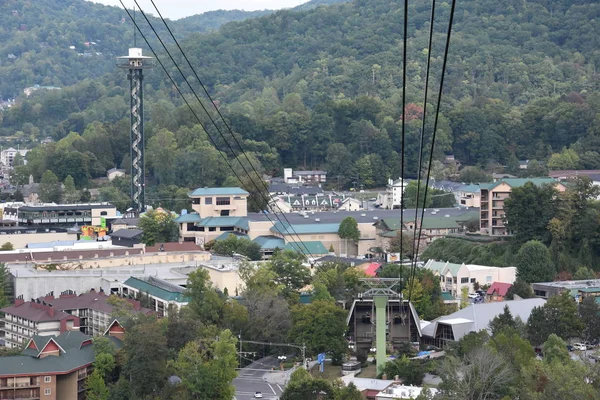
572,284
365,216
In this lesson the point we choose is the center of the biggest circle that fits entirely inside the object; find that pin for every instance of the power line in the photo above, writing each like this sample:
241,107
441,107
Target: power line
260,193
188,104
435,124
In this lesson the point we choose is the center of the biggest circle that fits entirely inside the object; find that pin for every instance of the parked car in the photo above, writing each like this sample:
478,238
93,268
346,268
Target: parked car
580,346
569,347
258,395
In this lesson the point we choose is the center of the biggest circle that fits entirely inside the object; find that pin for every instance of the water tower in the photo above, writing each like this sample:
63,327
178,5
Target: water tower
135,62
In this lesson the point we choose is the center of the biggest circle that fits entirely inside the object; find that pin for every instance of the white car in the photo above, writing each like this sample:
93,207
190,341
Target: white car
258,395
473,295
580,346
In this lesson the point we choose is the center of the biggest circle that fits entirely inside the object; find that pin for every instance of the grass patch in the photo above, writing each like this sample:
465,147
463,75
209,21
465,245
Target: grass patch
333,372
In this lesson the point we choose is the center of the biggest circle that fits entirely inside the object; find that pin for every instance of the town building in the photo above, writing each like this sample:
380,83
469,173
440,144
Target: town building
161,295
7,157
127,237
392,198
350,204
304,177
123,223
455,277
24,320
53,367
473,318
469,196
493,196
404,392
89,313
66,215
497,292
546,290
113,173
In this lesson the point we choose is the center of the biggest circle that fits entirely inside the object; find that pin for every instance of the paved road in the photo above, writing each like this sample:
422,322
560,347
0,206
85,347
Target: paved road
252,379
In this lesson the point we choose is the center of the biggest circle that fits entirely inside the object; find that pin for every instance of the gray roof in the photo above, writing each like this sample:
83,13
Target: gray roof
65,207
126,221
368,216
477,317
226,191
127,233
346,260
294,190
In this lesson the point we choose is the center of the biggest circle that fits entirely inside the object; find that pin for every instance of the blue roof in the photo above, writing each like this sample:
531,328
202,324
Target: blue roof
270,242
225,235
191,217
286,229
238,222
227,191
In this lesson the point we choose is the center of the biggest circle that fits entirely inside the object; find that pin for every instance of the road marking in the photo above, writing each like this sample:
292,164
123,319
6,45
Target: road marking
280,388
274,392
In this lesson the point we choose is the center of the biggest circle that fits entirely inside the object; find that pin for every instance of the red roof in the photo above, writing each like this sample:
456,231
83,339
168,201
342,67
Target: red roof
499,288
372,269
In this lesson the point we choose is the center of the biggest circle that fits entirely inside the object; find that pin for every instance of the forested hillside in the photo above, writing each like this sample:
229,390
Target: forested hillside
322,89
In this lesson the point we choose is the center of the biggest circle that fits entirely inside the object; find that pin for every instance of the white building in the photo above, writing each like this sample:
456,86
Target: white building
454,277
392,198
473,318
350,204
399,391
7,157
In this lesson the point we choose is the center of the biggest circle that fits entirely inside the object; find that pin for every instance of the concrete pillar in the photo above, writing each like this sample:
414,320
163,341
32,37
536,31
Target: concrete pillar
380,330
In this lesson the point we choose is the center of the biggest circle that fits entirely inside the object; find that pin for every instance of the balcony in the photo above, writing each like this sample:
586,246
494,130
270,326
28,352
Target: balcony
9,384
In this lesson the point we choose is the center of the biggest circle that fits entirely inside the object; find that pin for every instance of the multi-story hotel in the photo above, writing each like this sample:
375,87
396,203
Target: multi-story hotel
493,196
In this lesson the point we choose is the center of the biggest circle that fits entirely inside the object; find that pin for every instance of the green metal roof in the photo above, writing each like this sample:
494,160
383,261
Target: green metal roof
270,242
162,292
226,191
454,268
73,357
589,290
436,266
474,214
210,222
517,182
439,223
447,296
225,235
191,217
469,189
314,247
304,229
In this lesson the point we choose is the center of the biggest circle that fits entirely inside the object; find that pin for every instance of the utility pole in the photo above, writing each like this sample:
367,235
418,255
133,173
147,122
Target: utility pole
240,352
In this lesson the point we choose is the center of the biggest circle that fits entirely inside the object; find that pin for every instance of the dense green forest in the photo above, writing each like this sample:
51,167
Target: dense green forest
322,88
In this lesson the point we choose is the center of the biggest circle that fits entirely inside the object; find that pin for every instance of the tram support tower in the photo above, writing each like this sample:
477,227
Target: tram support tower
135,63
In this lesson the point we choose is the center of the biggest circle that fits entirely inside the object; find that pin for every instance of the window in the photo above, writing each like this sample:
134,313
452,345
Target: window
224,213
47,379
448,280
208,200
212,229
47,392
223,201
464,280
472,280
103,213
488,278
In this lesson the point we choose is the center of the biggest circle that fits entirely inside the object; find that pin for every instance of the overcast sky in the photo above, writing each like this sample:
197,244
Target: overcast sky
182,8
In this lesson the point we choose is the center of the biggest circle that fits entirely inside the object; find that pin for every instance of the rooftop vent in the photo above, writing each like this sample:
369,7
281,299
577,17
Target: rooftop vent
447,215
375,217
363,215
317,219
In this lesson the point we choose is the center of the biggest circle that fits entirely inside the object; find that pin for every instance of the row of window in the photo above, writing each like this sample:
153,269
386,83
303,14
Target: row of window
464,279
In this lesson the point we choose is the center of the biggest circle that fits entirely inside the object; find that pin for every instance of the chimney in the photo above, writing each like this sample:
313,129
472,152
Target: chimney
19,301
49,297
51,311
